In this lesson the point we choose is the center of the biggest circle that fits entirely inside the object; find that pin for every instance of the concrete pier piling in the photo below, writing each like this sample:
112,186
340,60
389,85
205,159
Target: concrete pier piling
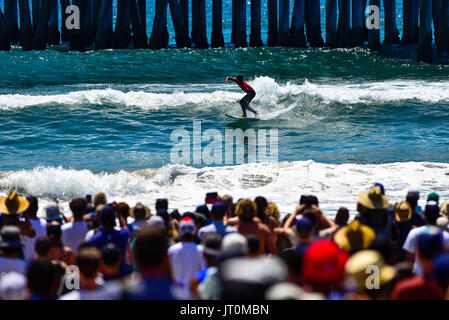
159,34
142,7
436,8
122,33
105,33
344,23
284,15
373,32
240,23
313,23
443,30
9,30
358,22
297,37
272,10
425,51
255,37
41,34
178,22
138,33
184,4
26,28
199,36
64,16
331,23
391,30
217,39
53,27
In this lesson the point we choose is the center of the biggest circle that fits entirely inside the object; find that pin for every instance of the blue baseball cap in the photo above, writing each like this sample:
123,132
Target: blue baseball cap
218,206
304,224
430,242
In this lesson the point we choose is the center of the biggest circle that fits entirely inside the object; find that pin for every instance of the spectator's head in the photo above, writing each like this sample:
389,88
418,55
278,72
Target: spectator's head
175,215
433,196
187,228
429,243
373,199
309,200
43,279
310,214
234,244
32,208
54,233
203,209
13,286
218,211
11,242
355,236
228,201
123,209
212,248
383,244
42,247
13,205
246,210
200,220
253,245
304,228
111,260
358,270
293,259
412,198
150,249
157,222
261,204
140,212
403,211
323,266
342,217
107,217
100,198
78,207
53,214
161,204
88,262
445,209
431,212
273,211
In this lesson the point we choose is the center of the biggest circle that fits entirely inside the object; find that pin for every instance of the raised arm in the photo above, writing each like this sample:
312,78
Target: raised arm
231,78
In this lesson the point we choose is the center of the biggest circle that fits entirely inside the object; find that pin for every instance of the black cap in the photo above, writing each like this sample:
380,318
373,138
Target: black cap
10,237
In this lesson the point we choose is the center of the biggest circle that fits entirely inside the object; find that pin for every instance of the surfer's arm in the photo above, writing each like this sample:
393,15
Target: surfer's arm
230,78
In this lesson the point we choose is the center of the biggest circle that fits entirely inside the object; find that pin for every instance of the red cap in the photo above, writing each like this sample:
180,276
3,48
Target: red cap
324,262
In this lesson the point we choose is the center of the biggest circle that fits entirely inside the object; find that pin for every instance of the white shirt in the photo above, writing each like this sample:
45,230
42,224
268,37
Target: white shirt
411,246
12,264
98,294
40,225
73,234
186,258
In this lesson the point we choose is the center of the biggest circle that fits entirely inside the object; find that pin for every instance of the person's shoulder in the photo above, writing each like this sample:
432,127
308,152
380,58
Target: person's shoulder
67,225
72,295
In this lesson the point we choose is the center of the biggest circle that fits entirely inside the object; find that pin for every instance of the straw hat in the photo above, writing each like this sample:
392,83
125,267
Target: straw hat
354,236
445,209
373,199
13,204
140,207
357,267
403,211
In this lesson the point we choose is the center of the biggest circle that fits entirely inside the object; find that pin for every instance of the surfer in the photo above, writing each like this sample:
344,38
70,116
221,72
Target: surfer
250,94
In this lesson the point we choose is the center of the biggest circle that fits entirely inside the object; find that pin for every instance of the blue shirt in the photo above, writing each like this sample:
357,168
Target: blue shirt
117,237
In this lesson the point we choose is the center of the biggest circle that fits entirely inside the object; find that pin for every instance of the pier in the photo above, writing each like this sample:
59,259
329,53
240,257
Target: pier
89,25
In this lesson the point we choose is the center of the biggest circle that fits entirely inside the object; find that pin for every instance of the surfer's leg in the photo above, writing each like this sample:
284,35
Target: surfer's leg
244,105
252,110
250,98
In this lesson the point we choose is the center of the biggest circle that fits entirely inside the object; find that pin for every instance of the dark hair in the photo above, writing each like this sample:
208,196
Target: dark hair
33,207
261,204
150,247
54,234
253,243
342,216
41,276
42,246
78,206
218,212
412,199
110,255
311,215
293,259
308,200
162,204
240,77
175,215
88,261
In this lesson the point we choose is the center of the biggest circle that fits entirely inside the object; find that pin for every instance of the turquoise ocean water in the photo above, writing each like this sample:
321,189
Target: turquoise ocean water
74,123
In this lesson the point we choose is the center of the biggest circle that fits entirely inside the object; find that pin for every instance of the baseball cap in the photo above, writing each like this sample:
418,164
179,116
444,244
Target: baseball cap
107,216
235,243
10,237
433,196
187,226
157,221
430,242
53,213
324,262
304,225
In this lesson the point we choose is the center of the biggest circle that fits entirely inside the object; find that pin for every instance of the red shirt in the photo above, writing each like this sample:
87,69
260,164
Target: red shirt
243,85
417,288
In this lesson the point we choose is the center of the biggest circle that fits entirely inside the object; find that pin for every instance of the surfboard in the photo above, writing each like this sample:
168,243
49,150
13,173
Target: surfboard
239,118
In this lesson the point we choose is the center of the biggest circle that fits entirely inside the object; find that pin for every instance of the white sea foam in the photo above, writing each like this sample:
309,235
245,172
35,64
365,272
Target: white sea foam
269,93
185,187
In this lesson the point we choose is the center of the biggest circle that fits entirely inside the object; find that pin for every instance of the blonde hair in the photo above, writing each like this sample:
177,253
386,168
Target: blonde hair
246,210
273,210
